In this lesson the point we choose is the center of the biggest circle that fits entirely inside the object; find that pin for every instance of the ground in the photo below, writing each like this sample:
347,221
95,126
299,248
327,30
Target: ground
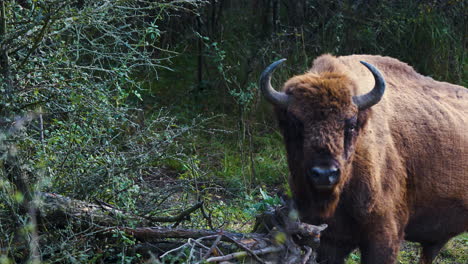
455,252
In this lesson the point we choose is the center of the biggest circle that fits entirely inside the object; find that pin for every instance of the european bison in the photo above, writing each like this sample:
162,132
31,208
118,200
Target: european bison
377,166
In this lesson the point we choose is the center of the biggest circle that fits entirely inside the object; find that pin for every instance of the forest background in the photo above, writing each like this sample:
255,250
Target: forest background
151,106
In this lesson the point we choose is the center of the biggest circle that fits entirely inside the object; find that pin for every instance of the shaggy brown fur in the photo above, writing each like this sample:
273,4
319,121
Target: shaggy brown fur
403,162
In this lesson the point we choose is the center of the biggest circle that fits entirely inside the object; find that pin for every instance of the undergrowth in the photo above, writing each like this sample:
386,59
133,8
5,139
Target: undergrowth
153,108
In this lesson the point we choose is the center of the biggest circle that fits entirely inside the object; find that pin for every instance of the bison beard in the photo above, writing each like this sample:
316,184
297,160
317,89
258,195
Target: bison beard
377,167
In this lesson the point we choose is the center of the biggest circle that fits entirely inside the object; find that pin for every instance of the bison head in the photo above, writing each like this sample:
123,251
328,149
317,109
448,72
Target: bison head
320,119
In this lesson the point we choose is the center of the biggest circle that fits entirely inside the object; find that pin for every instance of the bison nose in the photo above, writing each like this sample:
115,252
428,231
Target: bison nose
324,176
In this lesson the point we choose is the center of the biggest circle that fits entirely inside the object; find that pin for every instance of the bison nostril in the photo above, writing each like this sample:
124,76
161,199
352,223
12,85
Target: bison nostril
323,175
316,172
333,176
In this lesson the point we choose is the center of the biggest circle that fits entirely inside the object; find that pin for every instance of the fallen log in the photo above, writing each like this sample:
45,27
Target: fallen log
59,209
279,237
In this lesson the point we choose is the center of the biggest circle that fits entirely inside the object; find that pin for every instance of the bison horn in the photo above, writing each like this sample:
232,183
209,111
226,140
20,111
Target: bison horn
276,98
373,97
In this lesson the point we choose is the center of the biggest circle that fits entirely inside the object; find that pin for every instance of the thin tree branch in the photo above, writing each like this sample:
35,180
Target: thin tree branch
307,255
241,254
242,246
213,247
180,217
37,41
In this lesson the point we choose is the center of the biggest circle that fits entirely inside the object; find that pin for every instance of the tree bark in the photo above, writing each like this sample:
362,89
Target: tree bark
4,59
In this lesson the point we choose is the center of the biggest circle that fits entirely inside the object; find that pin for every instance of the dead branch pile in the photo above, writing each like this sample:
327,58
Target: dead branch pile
278,236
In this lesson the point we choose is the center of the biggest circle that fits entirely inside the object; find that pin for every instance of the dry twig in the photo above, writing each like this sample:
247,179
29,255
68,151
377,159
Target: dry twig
213,247
307,255
242,246
241,254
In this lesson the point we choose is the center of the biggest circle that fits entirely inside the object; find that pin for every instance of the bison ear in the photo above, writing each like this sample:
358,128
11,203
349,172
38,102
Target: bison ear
373,97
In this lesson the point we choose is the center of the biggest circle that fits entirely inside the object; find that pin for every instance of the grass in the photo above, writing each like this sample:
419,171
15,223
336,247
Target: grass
455,252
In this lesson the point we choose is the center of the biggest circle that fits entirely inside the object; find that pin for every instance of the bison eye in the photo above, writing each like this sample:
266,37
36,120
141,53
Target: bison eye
294,121
293,128
350,128
351,124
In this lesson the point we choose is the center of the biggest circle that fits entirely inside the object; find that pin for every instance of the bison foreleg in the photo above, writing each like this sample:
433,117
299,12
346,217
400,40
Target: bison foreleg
333,252
383,250
430,251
